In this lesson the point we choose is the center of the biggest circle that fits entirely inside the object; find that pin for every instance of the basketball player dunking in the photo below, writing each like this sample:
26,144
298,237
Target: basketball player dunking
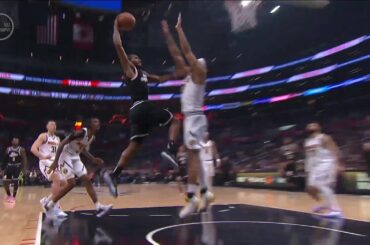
68,159
322,161
45,148
16,158
144,114
195,122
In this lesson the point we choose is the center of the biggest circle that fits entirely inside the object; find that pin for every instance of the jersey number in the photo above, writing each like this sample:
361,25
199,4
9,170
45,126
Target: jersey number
53,149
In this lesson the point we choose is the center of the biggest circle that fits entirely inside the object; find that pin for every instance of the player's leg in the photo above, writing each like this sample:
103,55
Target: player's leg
139,116
327,191
192,201
194,128
57,182
124,160
16,183
101,210
312,189
81,172
7,180
67,170
200,128
163,118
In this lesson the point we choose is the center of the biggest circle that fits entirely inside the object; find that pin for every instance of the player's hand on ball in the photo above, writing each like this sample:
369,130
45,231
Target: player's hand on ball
179,22
98,161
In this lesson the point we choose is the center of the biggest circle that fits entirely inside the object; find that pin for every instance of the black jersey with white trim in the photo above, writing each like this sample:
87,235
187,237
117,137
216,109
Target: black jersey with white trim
138,86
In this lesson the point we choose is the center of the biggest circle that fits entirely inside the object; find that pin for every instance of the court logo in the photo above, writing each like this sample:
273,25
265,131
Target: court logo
6,26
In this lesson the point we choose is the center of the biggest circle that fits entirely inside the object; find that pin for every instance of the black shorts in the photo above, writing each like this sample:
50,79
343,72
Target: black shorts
145,115
12,172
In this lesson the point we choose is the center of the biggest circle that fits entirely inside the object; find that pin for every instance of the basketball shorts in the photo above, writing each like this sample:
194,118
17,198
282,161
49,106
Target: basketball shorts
322,174
71,166
144,116
209,167
44,166
12,171
195,128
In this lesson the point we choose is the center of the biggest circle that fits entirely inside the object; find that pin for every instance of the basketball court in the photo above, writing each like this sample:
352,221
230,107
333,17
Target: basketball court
148,214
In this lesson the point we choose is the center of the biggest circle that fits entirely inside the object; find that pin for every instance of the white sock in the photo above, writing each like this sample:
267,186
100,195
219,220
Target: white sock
329,198
191,188
48,198
50,204
97,205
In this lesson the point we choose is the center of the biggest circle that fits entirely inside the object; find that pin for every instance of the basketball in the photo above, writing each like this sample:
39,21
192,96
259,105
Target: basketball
126,21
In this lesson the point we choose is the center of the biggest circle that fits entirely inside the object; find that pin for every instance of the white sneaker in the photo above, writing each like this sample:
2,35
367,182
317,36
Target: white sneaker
205,200
50,212
59,213
43,202
190,207
332,214
103,210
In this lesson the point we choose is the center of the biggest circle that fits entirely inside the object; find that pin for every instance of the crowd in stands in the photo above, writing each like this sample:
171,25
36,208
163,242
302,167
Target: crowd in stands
247,141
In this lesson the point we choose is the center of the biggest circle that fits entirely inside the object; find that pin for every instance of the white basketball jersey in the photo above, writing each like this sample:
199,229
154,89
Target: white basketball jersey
50,146
192,97
75,147
316,152
206,153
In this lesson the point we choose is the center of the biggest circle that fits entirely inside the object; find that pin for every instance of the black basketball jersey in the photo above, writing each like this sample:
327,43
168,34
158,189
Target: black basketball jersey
14,155
138,86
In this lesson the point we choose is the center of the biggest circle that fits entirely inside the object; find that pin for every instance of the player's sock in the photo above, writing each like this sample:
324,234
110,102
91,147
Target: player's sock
50,204
329,197
48,198
116,172
97,205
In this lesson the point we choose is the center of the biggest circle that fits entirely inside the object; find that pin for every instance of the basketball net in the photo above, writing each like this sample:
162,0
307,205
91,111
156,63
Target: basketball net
243,14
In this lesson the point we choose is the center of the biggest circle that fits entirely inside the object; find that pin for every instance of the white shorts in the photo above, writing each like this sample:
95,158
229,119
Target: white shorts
71,166
44,166
209,167
323,174
195,128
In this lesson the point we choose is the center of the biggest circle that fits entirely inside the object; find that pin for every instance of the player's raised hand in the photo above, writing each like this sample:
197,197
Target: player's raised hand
179,22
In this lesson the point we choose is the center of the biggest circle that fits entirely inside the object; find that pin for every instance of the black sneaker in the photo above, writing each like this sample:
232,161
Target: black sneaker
112,185
171,158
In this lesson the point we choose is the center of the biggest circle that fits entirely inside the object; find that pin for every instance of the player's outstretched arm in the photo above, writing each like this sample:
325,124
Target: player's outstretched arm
36,145
178,59
126,65
199,71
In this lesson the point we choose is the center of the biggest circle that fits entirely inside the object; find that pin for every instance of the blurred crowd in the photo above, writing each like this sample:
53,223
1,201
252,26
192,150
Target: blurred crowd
247,143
